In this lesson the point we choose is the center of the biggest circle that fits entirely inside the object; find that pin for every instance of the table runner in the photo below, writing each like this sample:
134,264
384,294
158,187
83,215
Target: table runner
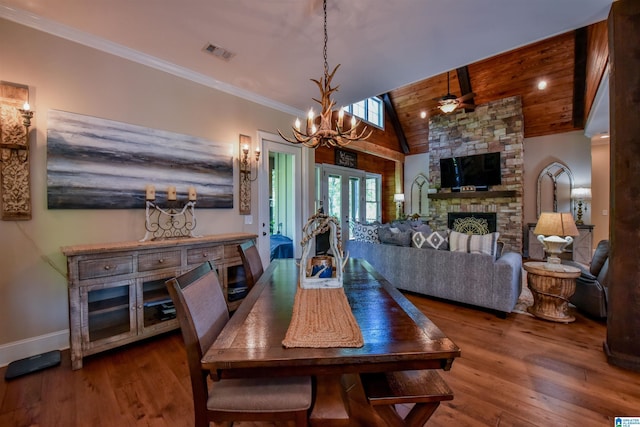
322,318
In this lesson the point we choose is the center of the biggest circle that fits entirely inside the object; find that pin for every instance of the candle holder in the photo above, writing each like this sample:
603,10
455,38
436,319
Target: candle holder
170,222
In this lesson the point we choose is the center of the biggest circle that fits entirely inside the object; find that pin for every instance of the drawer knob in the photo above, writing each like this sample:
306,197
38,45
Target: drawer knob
204,254
107,267
161,260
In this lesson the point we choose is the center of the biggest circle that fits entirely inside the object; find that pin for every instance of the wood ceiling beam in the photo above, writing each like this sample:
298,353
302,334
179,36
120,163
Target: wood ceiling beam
397,126
580,76
464,82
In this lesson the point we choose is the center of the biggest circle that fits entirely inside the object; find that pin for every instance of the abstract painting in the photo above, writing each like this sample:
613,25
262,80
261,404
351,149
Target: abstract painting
94,163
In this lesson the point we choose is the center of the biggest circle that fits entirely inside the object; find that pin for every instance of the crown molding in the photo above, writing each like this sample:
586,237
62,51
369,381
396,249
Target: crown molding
47,26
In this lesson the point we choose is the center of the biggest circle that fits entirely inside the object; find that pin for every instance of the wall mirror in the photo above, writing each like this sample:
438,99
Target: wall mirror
554,189
419,195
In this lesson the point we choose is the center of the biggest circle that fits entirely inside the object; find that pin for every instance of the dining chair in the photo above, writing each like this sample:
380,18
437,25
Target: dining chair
202,313
251,262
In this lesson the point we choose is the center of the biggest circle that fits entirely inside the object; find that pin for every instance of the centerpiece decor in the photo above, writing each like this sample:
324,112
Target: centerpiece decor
321,271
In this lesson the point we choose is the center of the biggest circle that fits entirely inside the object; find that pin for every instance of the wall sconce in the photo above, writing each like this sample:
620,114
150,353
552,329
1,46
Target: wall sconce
399,199
14,153
581,194
247,173
550,228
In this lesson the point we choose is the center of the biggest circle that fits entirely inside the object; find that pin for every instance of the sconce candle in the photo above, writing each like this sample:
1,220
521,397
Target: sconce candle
26,106
151,192
192,194
171,193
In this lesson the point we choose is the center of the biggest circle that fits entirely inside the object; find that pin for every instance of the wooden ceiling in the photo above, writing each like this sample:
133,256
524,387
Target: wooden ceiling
572,63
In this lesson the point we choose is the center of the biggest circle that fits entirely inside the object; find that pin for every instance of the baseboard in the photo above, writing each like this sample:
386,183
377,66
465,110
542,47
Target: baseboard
30,347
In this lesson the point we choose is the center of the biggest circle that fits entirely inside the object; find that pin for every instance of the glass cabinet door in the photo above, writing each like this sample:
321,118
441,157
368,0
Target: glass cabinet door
155,308
108,312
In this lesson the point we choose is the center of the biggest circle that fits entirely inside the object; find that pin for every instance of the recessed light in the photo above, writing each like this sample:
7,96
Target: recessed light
542,85
423,114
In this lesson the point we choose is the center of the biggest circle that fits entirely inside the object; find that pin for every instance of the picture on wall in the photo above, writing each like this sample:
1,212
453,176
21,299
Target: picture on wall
94,163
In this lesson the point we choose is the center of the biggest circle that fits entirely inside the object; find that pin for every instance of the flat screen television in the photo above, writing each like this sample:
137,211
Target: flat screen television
480,170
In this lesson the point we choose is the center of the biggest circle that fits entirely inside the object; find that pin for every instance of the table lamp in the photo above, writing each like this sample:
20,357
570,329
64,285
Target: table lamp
551,228
399,199
581,195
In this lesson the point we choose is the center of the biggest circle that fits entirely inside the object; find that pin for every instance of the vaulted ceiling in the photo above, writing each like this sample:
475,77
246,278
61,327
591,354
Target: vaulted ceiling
401,48
572,64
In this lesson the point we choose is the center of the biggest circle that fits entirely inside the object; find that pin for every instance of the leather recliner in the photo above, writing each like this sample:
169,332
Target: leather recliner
591,292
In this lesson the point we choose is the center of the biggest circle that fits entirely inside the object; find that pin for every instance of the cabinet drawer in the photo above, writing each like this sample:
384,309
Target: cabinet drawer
231,253
200,255
158,260
104,267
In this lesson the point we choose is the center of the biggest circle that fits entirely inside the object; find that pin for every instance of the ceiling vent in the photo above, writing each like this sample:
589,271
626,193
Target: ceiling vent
219,52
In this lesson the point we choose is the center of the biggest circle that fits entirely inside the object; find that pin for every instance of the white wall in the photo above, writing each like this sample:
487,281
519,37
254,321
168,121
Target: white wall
63,75
572,149
600,184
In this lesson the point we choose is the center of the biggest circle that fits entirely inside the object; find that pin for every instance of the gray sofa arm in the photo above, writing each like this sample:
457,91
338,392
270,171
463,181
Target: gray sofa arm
507,280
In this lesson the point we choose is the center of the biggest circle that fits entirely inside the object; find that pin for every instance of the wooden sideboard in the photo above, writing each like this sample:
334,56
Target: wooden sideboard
581,250
117,292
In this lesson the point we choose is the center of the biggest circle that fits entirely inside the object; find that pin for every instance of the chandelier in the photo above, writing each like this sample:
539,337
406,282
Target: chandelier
326,135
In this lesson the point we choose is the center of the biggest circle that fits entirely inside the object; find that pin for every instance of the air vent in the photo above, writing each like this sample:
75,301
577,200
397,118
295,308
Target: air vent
219,52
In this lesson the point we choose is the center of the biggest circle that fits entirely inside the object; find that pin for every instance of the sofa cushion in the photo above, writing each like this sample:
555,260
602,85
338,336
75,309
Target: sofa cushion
474,243
394,236
364,232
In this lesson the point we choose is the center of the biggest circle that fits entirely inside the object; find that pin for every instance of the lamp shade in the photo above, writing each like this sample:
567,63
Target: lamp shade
398,197
581,193
556,224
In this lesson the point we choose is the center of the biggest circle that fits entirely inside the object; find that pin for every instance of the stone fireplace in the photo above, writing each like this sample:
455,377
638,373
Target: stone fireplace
492,127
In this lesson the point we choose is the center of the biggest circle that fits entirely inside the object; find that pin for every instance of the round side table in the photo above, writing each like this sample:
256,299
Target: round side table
551,285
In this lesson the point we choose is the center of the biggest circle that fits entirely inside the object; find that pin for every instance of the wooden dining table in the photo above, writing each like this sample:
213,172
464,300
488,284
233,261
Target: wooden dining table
397,337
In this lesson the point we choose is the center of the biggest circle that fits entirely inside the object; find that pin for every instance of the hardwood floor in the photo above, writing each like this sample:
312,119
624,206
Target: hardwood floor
518,371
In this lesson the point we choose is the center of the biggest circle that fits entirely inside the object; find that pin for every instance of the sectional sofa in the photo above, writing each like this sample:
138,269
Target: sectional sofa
477,279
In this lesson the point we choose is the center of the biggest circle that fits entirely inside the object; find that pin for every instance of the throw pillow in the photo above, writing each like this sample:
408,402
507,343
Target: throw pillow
423,228
431,240
474,243
399,238
402,225
364,233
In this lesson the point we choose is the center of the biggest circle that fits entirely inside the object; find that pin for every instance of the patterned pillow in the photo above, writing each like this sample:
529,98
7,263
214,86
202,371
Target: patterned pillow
364,232
474,243
432,240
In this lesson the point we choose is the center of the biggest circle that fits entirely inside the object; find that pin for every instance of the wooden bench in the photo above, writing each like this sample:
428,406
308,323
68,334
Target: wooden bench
425,388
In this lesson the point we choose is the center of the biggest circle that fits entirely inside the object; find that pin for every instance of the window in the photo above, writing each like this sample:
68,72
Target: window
369,110
372,198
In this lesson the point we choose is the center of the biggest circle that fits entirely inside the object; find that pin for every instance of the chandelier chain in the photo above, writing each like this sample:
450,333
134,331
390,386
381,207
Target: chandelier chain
326,40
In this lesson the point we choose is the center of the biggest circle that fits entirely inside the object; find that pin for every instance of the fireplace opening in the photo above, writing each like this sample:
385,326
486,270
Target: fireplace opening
490,217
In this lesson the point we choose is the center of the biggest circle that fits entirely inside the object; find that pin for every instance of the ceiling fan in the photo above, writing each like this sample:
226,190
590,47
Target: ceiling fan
449,103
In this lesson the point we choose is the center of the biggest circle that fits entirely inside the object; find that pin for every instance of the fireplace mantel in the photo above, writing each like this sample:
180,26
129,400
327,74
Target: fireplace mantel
473,194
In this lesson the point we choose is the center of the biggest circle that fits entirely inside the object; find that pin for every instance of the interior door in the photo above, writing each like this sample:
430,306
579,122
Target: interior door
282,201
342,195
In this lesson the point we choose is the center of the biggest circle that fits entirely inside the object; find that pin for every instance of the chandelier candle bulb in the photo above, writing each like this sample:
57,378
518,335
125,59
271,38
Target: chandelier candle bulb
150,192
297,124
26,106
171,193
310,120
340,117
192,194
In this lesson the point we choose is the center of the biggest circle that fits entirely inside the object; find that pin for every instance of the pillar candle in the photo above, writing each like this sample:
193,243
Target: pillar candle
192,194
171,193
151,192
